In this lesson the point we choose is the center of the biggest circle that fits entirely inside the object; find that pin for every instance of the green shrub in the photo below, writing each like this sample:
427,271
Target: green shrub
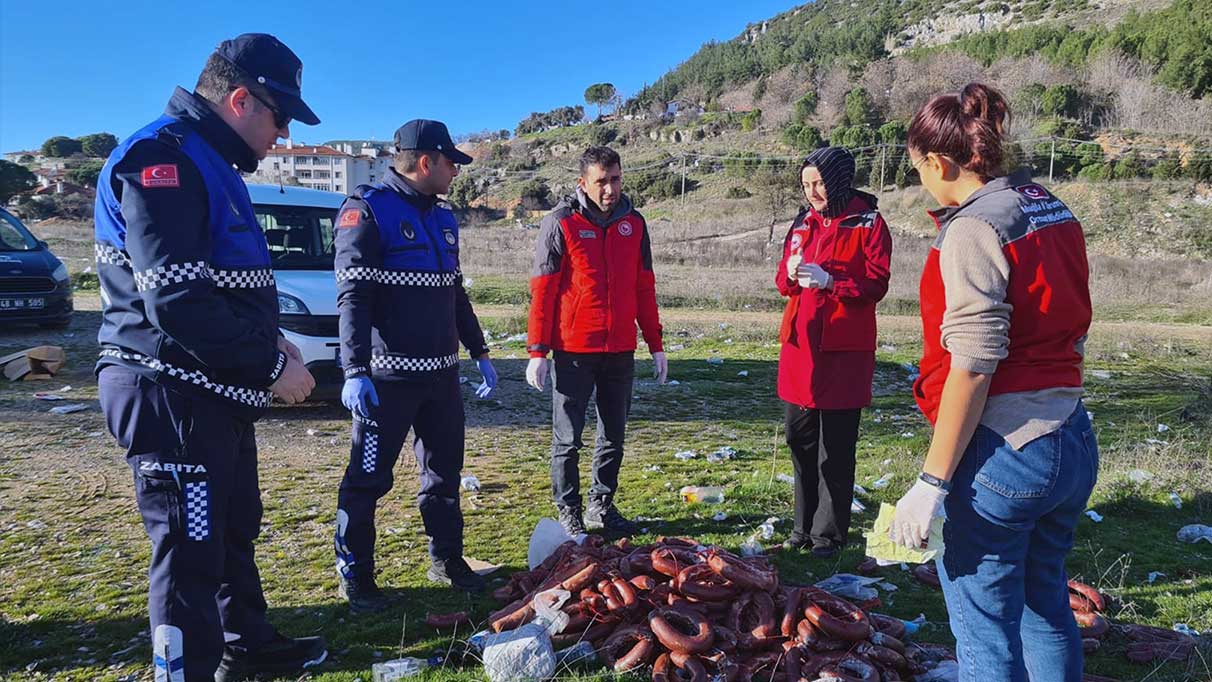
737,192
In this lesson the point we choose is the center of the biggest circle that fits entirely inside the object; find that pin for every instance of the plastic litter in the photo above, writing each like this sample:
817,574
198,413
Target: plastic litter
719,516
470,483
743,373
68,409
673,382
463,380
751,546
526,653
581,652
851,586
1155,441
859,490
767,527
548,534
715,361
1140,476
1186,629
882,482
1154,575
1099,374
887,586
785,478
728,341
1094,516
857,507
397,669
1194,533
945,671
726,452
1162,428
516,338
685,454
705,494
1176,500
653,467
42,395
907,434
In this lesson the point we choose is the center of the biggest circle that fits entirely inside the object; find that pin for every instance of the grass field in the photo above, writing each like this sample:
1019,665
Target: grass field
73,554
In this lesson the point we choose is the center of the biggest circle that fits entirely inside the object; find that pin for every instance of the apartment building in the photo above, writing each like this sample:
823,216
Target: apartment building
322,167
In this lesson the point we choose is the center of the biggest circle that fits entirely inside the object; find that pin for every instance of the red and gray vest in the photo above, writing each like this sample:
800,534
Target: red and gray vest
1048,289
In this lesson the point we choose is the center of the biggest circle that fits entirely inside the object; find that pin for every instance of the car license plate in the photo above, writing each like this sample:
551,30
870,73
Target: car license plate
22,303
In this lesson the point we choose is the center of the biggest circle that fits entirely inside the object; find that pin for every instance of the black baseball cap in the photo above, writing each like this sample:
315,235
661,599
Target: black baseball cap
427,135
266,60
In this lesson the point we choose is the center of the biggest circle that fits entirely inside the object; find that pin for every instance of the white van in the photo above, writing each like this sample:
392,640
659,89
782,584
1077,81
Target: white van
298,225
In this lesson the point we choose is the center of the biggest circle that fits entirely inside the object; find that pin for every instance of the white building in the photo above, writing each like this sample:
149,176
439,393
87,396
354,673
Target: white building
321,167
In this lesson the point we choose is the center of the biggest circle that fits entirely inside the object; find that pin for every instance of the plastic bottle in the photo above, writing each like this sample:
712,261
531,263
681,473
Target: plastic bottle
398,669
706,494
1176,500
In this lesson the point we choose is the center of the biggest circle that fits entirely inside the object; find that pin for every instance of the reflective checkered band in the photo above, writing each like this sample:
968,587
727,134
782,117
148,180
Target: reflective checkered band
110,255
173,273
243,279
247,396
370,451
391,361
403,278
197,511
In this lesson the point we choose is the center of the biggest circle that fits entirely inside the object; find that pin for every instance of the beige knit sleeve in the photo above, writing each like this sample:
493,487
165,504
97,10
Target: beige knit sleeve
976,323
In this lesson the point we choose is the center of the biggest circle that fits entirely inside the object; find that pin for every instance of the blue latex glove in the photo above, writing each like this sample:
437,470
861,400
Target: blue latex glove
358,395
490,378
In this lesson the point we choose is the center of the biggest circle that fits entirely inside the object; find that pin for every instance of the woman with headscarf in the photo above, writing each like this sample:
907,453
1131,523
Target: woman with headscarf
1005,311
834,270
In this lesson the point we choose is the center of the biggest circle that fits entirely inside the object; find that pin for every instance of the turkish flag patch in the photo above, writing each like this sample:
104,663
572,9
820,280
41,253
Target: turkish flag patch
349,218
160,175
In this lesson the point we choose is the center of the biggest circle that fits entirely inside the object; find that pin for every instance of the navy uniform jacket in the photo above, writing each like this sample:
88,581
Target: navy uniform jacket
399,287
188,293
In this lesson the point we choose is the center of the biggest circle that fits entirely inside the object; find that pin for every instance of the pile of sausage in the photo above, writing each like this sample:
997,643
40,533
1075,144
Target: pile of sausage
1145,643
693,613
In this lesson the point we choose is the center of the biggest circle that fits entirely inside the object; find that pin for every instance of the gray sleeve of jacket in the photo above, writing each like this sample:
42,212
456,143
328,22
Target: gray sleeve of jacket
976,323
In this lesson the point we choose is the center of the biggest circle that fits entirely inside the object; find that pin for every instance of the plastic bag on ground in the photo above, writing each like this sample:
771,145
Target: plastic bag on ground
945,671
548,534
526,653
850,586
1194,533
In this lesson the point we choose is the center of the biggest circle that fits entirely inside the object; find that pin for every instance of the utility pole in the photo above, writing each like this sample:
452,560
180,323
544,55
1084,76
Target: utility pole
883,157
1051,159
683,180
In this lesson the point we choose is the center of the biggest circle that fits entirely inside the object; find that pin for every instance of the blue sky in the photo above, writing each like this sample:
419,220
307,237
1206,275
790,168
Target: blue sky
73,68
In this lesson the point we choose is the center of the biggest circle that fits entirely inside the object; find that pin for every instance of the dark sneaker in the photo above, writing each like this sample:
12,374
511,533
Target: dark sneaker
797,542
825,551
363,595
570,519
608,518
281,656
457,574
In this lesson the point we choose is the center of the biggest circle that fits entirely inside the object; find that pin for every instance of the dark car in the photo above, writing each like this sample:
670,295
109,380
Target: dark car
34,285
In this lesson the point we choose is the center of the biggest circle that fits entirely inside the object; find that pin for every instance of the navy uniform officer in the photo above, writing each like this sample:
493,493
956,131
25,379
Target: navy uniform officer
191,355
403,312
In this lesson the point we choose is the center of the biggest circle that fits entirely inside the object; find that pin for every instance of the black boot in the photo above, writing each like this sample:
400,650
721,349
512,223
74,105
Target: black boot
604,515
281,656
571,519
456,573
363,595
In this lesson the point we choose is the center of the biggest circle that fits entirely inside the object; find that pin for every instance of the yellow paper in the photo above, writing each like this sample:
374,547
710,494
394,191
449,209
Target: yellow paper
884,549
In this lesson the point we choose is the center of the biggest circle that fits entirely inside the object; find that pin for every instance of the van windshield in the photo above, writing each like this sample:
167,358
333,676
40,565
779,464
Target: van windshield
299,237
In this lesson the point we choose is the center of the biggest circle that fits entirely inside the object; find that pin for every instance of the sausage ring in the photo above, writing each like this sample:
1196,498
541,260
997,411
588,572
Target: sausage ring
681,630
1086,595
1093,625
838,618
893,627
927,574
741,572
630,647
704,584
671,560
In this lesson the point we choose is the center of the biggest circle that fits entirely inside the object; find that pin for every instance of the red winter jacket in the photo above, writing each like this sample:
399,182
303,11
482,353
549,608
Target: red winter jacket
1048,289
592,283
828,337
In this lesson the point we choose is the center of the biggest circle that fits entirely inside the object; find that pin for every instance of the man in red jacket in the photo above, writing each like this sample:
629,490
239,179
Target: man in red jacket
592,283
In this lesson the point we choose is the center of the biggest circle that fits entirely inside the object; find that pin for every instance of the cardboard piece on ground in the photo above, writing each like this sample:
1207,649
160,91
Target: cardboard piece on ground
481,567
39,362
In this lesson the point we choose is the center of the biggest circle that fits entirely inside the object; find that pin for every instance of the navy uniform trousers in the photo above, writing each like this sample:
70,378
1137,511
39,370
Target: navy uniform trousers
434,410
195,471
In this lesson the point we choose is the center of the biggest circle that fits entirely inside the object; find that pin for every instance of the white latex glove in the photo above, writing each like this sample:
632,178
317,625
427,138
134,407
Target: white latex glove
536,372
793,264
813,276
914,511
660,366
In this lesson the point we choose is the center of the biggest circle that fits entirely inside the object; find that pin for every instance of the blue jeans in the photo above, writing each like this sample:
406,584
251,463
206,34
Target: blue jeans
1011,516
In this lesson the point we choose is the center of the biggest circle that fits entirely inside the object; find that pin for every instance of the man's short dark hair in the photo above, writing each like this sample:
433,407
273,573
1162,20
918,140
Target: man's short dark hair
219,77
602,157
407,160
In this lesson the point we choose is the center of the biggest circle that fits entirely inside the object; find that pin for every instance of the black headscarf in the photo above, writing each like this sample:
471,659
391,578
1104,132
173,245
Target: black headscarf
836,166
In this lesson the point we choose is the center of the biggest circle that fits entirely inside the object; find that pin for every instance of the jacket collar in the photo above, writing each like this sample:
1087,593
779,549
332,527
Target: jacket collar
189,107
859,202
396,182
1021,176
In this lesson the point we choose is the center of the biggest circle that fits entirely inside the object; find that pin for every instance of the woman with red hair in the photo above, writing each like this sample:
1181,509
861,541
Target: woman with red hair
1005,308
